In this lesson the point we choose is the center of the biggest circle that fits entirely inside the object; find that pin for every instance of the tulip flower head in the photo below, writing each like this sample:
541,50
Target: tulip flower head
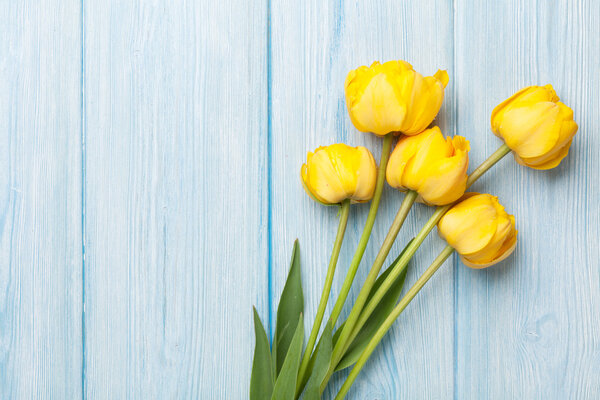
337,172
480,230
433,166
393,97
536,126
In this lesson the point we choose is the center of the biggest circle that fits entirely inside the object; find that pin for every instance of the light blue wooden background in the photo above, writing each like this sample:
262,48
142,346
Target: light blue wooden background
149,194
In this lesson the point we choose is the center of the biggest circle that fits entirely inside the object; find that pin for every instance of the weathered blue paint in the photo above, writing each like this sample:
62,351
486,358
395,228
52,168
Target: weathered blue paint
149,194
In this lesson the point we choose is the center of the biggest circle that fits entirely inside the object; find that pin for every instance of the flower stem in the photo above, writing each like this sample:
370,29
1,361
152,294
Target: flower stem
403,262
364,239
342,342
408,254
337,245
487,164
429,225
387,324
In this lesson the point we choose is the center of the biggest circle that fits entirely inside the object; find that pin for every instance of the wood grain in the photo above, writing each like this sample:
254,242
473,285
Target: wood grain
529,327
40,200
176,197
314,46
149,194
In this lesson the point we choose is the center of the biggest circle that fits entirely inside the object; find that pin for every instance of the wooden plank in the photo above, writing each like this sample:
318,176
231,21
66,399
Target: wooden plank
529,328
314,46
176,196
40,200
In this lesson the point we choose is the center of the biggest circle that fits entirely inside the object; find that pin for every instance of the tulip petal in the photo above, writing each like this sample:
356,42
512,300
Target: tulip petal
324,178
338,172
366,175
442,76
531,131
500,109
346,161
432,147
403,153
308,189
506,250
433,166
567,129
378,109
536,126
552,163
466,233
426,101
490,252
447,178
393,97
480,230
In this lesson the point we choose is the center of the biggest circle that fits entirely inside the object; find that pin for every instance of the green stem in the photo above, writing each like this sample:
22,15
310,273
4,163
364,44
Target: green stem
410,251
387,324
342,342
337,245
487,164
364,239
402,263
408,254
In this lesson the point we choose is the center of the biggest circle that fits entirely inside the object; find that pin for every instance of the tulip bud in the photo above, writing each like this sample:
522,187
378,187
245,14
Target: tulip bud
392,97
536,126
479,230
433,166
338,172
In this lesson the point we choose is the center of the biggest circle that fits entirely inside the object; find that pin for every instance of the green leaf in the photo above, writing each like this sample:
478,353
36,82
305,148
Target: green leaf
384,308
285,385
261,382
291,306
321,364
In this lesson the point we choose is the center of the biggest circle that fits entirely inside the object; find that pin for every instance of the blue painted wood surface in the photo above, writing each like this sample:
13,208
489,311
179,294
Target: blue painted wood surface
149,194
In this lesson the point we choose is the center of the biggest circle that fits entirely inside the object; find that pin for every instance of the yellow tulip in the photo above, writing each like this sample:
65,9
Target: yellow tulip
433,166
480,230
393,97
338,172
536,126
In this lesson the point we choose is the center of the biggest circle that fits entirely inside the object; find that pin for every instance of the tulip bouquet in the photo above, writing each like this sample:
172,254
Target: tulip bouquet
393,100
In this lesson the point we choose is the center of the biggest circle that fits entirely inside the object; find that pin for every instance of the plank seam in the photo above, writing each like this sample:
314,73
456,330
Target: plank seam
455,260
269,173
83,205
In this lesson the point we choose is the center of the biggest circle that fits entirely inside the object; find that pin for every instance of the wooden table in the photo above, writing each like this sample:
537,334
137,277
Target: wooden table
150,194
